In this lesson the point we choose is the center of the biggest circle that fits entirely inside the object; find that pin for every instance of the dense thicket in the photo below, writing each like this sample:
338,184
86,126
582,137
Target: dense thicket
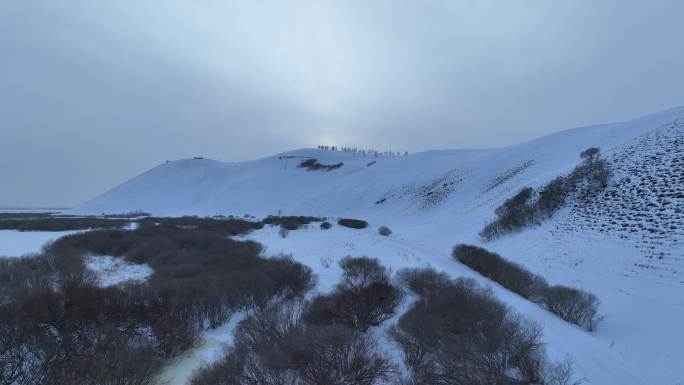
527,207
57,327
460,334
457,333
573,305
364,298
223,225
290,222
48,223
292,342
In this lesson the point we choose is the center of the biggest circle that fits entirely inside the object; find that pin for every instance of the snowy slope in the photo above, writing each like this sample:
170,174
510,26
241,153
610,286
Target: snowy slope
626,246
474,178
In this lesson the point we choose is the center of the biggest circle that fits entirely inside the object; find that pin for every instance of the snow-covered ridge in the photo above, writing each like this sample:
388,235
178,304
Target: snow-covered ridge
453,180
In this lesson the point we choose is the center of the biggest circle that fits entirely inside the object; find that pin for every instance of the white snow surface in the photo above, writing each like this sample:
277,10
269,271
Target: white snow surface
20,243
111,271
628,252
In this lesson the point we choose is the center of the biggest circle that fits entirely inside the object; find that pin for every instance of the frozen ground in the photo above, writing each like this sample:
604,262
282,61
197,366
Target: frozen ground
210,348
18,243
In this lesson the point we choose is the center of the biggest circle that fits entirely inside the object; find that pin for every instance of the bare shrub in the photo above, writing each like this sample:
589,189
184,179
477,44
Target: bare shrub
326,261
513,214
290,222
587,179
222,226
353,223
364,298
562,373
314,165
590,153
508,274
362,271
357,308
573,305
25,276
276,347
462,335
552,196
384,231
423,281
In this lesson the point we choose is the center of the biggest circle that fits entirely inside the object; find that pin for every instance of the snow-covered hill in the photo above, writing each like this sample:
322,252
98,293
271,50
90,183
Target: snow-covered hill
626,245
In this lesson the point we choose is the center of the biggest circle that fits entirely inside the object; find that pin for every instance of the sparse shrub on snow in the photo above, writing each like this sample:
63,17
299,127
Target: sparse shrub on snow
513,214
384,231
353,223
526,207
326,225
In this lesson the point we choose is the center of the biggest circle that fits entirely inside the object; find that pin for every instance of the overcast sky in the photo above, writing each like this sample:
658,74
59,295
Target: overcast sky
95,92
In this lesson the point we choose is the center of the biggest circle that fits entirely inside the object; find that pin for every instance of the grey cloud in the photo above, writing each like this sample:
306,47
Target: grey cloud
92,93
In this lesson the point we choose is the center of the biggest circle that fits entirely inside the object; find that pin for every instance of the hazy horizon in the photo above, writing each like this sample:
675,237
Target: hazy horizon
92,94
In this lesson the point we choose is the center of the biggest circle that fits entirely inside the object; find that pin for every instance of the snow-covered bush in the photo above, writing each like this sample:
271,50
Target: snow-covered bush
353,223
573,305
326,225
384,231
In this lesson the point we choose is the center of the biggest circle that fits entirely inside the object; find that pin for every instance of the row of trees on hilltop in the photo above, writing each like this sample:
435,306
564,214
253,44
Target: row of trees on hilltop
361,151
